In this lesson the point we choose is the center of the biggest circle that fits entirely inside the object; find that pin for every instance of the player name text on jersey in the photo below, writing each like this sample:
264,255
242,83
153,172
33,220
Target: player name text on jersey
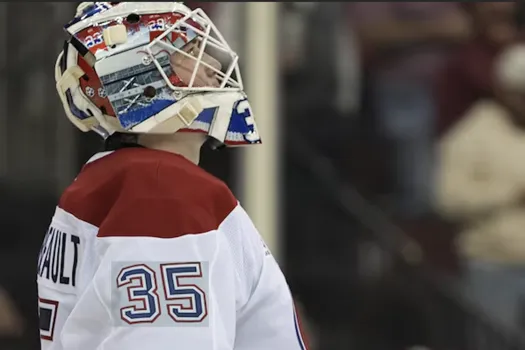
58,258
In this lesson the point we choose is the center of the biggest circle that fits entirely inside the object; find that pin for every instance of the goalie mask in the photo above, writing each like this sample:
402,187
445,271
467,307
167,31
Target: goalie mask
152,67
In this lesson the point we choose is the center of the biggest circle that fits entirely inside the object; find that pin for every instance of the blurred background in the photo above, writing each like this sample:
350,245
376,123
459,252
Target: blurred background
391,181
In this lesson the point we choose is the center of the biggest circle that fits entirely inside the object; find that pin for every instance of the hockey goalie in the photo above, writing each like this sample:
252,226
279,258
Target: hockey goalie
146,250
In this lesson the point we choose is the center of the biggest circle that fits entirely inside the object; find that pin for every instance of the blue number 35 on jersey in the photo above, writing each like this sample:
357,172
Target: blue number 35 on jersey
141,299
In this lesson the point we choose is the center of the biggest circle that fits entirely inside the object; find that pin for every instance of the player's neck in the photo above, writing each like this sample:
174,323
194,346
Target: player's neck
185,144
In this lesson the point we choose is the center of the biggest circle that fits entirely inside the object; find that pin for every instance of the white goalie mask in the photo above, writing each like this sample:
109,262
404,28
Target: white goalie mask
152,67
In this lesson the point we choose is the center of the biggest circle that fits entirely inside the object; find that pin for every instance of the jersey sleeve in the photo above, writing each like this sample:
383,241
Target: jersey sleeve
266,317
159,293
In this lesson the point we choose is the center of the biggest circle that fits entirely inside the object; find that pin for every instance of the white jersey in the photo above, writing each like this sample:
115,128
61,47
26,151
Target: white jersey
148,251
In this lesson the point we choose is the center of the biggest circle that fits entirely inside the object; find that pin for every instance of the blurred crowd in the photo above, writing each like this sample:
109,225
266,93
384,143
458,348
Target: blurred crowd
419,106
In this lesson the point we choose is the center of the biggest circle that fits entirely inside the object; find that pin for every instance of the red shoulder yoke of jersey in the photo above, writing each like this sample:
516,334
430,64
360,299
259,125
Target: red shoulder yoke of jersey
144,192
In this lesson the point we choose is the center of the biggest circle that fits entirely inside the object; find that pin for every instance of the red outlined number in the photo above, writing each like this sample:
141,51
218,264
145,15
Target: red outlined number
47,313
141,285
188,301
184,302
